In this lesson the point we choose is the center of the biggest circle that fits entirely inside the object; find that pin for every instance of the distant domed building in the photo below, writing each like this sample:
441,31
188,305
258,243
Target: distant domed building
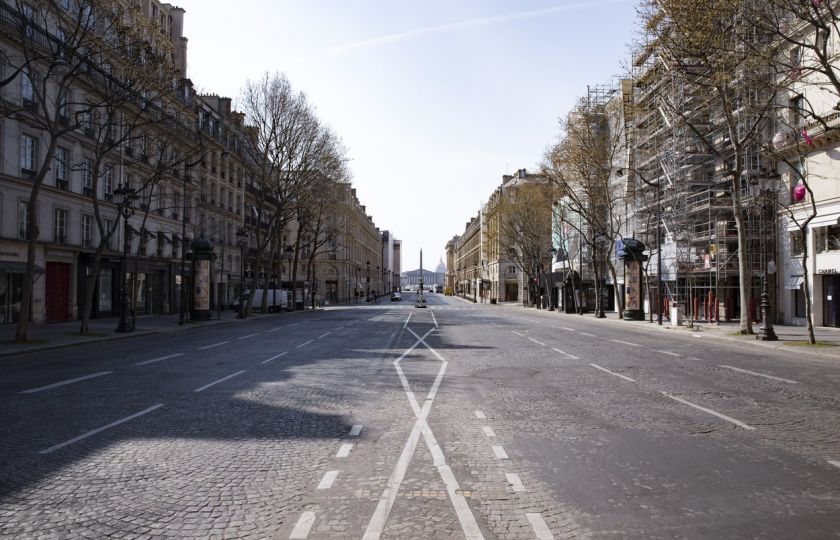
441,267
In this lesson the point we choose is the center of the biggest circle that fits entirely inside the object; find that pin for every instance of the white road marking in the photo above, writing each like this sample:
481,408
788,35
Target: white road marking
835,463
433,318
539,526
292,324
537,342
63,383
248,336
327,480
223,379
625,343
500,452
304,524
515,482
517,333
100,429
213,345
573,357
596,366
355,430
588,335
274,329
158,359
480,415
275,357
757,374
304,344
710,411
344,451
568,329
488,431
325,334
669,353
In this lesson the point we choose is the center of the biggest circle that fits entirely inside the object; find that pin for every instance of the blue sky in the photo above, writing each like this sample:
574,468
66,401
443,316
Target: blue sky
435,100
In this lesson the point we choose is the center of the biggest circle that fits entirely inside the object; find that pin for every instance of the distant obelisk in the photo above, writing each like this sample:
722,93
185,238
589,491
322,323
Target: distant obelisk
421,302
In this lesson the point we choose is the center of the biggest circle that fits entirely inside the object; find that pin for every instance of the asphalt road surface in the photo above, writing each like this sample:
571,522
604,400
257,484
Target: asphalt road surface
388,421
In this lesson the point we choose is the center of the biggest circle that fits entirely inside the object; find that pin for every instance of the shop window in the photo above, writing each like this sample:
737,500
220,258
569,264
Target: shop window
827,238
799,301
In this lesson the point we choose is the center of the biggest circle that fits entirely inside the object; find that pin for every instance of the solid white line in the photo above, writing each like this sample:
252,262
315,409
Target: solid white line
537,342
539,526
100,429
62,383
304,344
588,335
515,482
500,452
248,336
757,374
304,524
275,357
325,334
625,343
668,353
596,366
517,333
213,345
158,359
223,379
433,317
344,451
480,415
488,431
327,480
355,430
710,411
573,357
835,463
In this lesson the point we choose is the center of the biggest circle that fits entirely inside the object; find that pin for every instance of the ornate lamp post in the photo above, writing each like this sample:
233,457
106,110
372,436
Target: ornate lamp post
125,197
766,198
367,284
290,252
552,254
600,242
242,242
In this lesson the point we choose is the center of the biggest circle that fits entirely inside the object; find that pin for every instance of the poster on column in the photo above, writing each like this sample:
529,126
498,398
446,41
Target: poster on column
633,289
202,285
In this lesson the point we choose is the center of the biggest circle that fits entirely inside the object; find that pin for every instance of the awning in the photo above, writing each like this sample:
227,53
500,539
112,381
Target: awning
14,267
794,282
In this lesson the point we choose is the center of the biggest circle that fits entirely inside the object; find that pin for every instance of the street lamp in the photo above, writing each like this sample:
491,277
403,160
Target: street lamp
367,284
600,243
766,198
553,253
125,197
242,242
290,256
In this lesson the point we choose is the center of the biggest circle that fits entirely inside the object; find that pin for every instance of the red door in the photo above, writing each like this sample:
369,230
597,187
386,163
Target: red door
58,292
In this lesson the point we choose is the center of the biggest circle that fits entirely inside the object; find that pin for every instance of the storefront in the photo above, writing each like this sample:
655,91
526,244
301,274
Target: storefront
151,289
106,288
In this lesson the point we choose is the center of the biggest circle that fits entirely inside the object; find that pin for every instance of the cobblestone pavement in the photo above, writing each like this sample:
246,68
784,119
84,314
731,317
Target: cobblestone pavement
394,422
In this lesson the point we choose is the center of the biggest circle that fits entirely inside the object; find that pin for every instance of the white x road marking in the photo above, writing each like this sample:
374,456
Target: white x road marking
389,495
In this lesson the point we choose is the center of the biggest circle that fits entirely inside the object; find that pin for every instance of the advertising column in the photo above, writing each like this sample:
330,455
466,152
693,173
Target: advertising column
202,257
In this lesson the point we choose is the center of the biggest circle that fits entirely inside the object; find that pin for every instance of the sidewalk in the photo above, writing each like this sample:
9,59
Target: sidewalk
59,335
791,338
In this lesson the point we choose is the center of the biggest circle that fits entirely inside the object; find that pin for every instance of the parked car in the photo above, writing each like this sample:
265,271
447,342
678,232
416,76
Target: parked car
278,300
396,296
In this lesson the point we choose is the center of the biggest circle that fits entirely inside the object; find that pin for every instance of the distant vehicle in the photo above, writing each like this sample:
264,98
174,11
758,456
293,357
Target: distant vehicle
438,288
396,296
278,300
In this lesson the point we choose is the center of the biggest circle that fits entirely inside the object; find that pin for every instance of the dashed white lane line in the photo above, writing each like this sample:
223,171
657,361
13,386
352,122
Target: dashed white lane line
568,329
303,526
573,357
223,379
605,370
213,345
355,430
480,415
631,344
325,334
835,463
757,374
274,329
587,335
517,333
669,353
275,357
500,452
488,431
710,411
248,336
515,482
100,429
328,479
537,342
64,383
304,344
539,526
158,359
344,451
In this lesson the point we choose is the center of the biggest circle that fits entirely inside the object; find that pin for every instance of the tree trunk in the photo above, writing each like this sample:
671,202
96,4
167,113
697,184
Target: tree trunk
87,300
807,282
743,267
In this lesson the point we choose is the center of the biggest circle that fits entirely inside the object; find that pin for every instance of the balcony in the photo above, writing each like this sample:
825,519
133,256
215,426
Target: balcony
87,191
27,174
29,106
63,185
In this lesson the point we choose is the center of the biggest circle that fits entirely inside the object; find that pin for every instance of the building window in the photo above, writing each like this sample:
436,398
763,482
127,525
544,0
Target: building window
61,168
27,157
87,230
108,183
87,178
797,246
60,226
110,232
27,91
827,238
23,220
